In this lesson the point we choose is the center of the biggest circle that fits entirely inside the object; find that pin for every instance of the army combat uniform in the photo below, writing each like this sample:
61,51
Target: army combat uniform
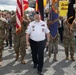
68,36
3,33
53,44
53,47
74,27
19,38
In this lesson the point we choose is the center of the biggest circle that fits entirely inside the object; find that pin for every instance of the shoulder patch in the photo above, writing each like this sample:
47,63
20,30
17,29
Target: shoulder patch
43,25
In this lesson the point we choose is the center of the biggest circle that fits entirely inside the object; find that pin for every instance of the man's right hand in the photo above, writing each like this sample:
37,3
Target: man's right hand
27,44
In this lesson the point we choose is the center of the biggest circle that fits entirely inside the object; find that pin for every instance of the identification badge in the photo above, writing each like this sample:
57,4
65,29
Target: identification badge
43,25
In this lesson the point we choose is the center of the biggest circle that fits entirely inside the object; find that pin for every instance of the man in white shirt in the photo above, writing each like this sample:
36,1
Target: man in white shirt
37,32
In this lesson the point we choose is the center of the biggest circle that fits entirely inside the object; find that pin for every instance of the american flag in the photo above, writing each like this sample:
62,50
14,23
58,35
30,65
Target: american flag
21,6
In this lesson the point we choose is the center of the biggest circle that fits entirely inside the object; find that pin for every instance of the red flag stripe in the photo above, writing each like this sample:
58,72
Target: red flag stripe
17,25
19,5
18,21
19,14
25,2
25,7
40,8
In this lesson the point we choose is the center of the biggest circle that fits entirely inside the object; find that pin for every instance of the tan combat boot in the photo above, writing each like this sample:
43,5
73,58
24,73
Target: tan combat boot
22,60
17,56
0,63
49,54
67,56
55,58
0,57
72,58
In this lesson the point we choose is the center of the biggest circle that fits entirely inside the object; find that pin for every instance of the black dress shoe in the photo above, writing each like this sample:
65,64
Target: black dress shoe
6,45
40,73
10,47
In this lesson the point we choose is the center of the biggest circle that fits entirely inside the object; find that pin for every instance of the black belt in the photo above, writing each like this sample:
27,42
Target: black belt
37,41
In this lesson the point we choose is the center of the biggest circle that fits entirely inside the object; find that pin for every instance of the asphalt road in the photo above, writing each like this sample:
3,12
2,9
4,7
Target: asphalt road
61,67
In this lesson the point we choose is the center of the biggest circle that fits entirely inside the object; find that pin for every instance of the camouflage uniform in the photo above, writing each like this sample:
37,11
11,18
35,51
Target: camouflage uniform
53,44
19,39
74,27
68,36
3,29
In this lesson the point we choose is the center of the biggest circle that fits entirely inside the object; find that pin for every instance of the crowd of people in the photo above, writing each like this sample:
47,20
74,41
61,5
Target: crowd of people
36,34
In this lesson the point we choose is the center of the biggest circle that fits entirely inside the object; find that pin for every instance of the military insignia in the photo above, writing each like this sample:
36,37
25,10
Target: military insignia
33,29
43,25
42,29
33,26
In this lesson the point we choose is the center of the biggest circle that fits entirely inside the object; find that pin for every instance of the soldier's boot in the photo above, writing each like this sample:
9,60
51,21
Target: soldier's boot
72,57
17,56
0,63
0,57
49,54
55,57
67,56
22,60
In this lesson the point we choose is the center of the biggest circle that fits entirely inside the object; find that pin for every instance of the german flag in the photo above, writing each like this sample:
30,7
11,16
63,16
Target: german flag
40,7
45,2
71,12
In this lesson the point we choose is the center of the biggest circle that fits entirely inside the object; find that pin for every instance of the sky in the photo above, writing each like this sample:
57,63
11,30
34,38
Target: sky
8,5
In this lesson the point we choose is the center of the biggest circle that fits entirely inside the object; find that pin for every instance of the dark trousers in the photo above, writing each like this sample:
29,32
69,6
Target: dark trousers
10,36
38,53
10,40
61,34
75,36
6,42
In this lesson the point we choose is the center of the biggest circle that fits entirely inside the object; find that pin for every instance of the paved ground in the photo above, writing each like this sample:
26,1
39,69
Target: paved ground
61,67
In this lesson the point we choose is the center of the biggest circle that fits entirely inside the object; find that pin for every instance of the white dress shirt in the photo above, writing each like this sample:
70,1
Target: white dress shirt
37,30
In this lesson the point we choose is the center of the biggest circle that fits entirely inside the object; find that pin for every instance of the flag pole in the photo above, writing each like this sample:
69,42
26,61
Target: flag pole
75,8
49,19
50,10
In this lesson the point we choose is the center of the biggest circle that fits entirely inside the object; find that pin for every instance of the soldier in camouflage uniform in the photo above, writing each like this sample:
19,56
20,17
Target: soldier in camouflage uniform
3,29
19,38
53,47
53,44
68,36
